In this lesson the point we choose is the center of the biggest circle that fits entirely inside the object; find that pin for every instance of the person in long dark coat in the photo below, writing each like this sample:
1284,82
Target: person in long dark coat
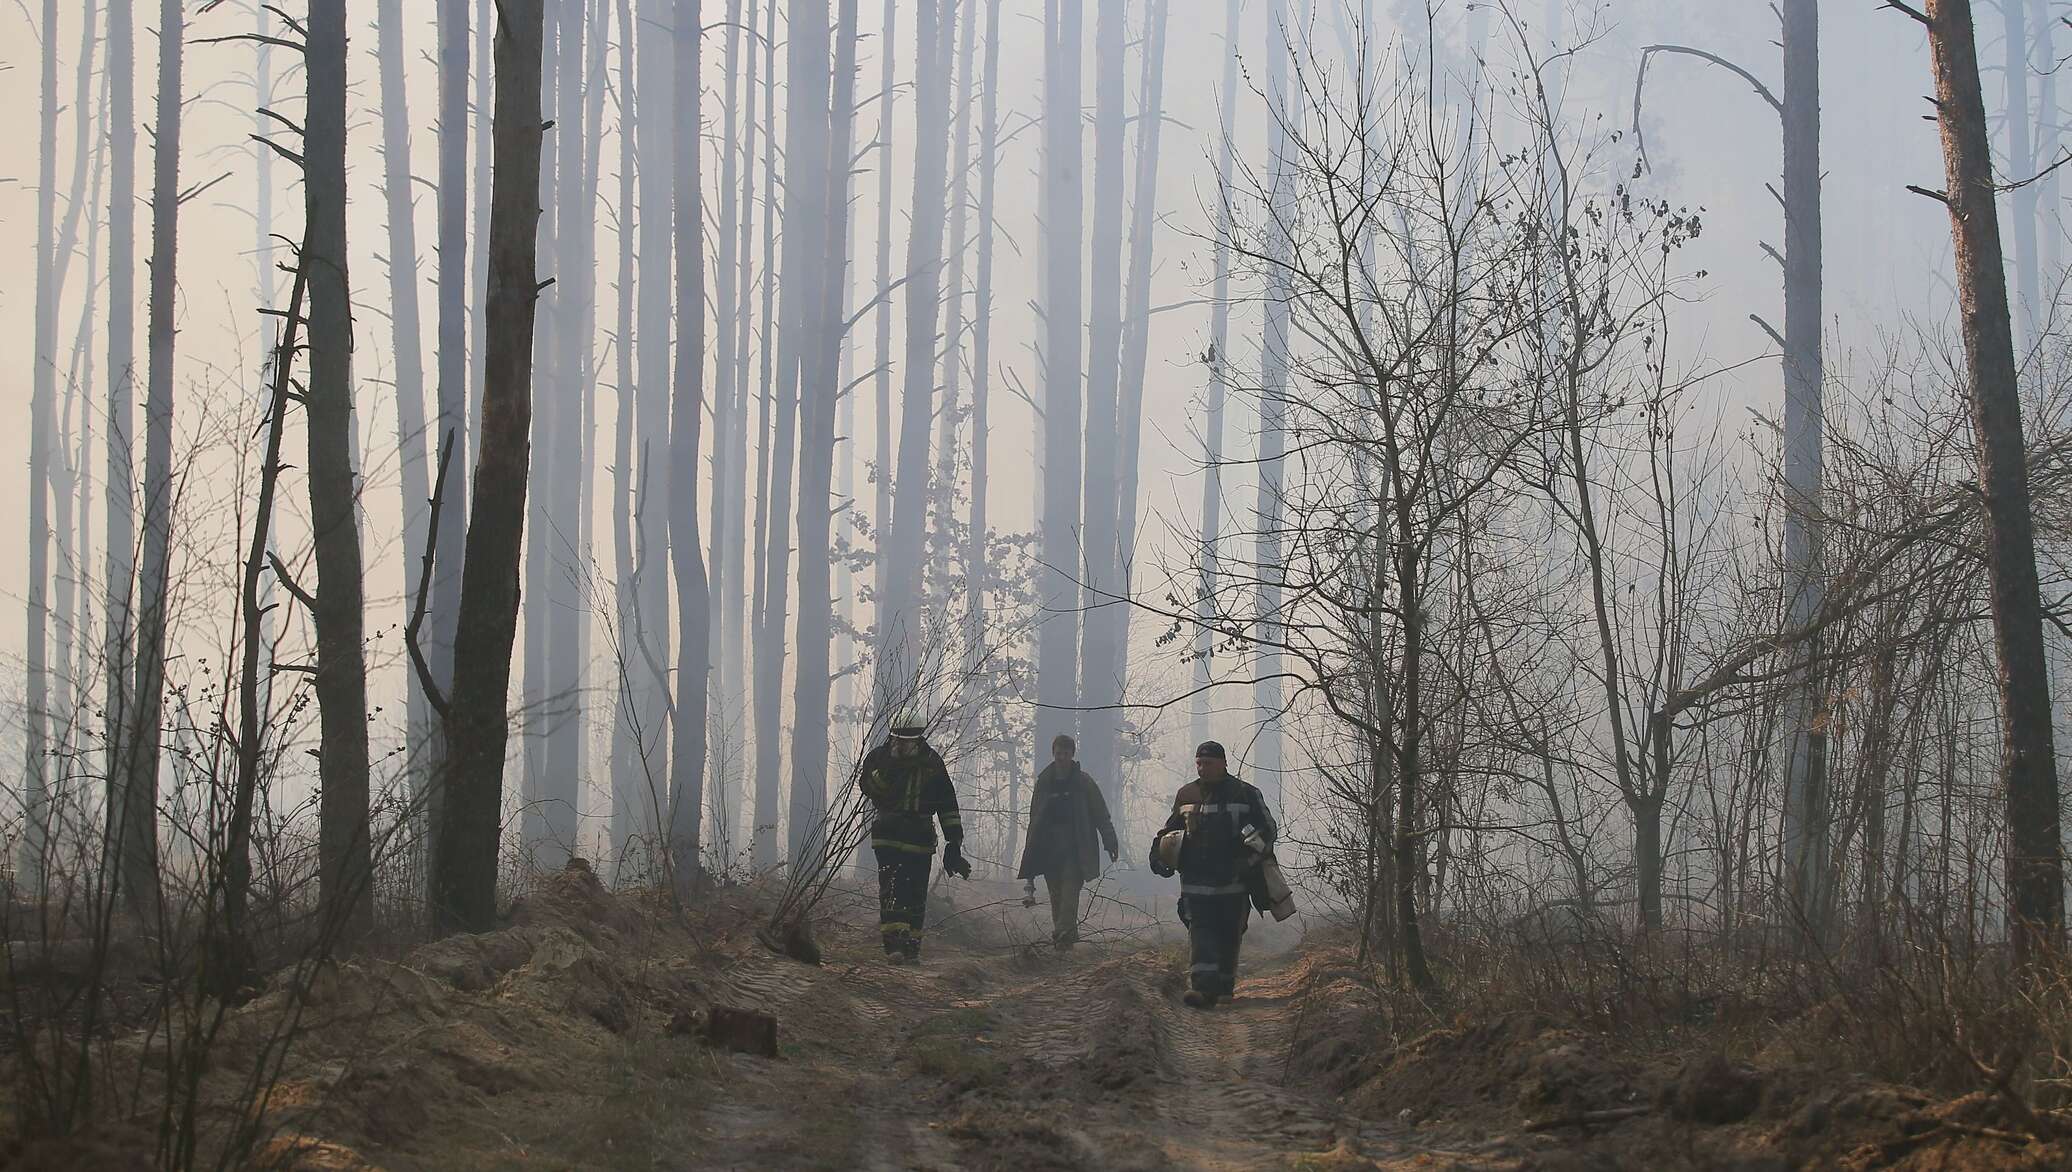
1068,828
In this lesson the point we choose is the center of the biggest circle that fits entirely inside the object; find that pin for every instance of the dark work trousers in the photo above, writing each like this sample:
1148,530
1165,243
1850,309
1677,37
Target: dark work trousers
902,898
1064,905
1215,929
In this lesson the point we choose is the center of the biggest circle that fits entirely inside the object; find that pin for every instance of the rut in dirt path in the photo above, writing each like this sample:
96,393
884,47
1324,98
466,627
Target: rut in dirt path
1003,1059
1208,1088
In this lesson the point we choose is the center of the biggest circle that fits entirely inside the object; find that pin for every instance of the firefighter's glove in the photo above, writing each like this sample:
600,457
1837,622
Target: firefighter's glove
953,862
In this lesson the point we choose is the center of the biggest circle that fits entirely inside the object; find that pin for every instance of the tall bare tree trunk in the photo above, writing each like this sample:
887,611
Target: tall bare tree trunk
729,442
477,351
411,432
119,483
477,721
1100,686
648,637
1266,759
943,490
763,809
820,389
1218,359
935,32
561,539
454,338
345,867
2022,124
694,602
137,814
803,230
975,558
1113,622
626,801
2035,862
1057,667
881,512
1808,815
42,434
734,590
534,696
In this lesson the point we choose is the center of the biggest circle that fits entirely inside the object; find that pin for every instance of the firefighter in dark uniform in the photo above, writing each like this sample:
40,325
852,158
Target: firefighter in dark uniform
1219,832
909,788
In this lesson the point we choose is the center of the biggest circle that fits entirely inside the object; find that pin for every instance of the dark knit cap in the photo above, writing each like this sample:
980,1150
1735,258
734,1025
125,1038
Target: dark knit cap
1210,749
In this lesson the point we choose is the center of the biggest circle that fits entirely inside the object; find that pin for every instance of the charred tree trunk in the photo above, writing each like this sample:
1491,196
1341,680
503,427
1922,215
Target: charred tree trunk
119,482
477,721
2035,864
136,816
1808,815
345,869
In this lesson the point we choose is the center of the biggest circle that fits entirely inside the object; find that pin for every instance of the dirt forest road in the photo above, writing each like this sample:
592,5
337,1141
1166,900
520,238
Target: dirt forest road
992,1056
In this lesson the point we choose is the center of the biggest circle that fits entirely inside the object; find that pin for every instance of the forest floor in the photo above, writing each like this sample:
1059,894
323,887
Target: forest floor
572,1039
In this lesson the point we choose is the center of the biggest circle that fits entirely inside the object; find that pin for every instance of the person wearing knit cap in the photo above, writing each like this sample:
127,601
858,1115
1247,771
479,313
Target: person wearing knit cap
1219,832
1068,827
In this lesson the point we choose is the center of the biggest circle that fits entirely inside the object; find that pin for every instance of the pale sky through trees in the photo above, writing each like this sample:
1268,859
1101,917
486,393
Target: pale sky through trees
1712,143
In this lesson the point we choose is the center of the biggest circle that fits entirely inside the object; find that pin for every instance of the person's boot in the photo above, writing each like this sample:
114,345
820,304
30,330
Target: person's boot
1196,999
